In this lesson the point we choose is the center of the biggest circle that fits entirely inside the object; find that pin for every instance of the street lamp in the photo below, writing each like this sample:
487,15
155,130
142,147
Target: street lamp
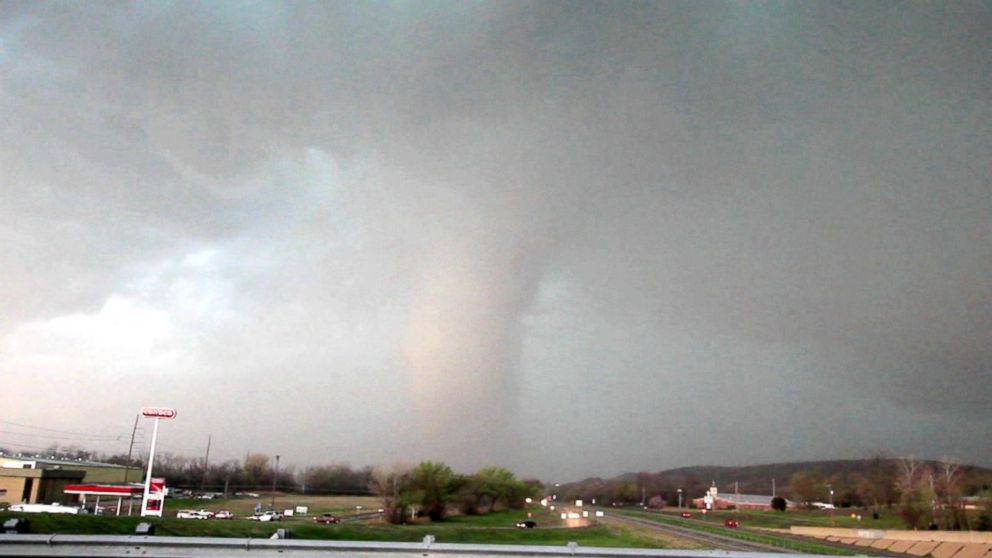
680,498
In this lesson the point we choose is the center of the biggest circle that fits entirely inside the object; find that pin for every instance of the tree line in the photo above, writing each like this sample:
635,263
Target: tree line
431,489
427,490
256,472
925,494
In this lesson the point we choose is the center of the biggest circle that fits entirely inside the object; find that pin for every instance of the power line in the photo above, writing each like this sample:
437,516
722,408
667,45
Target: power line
29,435
86,434
25,446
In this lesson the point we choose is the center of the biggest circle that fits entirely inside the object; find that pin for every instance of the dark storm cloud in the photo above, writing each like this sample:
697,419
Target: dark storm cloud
594,223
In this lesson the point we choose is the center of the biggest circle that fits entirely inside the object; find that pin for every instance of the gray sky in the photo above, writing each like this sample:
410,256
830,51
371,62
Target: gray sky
568,238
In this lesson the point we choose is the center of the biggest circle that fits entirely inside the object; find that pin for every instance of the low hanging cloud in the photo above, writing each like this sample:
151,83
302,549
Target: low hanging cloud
567,238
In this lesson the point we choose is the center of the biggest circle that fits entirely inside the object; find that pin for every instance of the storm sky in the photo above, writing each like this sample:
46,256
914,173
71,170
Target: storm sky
570,238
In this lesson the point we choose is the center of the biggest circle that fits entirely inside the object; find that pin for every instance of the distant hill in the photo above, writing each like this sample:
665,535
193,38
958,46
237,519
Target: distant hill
850,479
757,479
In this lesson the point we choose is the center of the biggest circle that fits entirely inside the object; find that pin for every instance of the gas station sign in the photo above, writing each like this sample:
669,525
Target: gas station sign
158,412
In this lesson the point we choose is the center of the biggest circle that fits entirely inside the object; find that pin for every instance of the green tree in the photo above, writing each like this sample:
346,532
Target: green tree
469,495
496,485
626,493
520,490
432,486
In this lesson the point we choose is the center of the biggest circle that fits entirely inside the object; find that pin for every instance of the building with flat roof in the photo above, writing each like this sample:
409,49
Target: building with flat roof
96,472
724,501
37,486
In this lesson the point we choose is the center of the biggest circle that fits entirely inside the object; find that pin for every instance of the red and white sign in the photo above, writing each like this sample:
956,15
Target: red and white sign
154,498
158,412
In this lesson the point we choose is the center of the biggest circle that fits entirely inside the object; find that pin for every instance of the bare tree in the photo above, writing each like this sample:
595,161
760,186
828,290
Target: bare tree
916,504
389,483
950,479
255,469
909,473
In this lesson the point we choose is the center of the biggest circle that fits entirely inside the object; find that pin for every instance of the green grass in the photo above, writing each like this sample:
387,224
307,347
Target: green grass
717,528
505,518
497,528
338,505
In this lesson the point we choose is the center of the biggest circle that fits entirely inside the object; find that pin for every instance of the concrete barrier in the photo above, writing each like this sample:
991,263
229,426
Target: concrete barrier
114,546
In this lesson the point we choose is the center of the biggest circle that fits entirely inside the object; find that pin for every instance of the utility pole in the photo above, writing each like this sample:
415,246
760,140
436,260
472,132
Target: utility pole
831,504
737,497
275,475
206,463
127,466
773,487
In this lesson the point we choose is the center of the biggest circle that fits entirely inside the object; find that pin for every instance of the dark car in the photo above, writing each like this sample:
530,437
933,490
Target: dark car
731,523
325,518
527,524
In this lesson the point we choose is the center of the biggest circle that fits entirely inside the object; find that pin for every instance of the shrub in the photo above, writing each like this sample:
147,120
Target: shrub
778,503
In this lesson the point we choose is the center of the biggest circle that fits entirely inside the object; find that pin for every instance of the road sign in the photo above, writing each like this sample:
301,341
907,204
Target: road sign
158,412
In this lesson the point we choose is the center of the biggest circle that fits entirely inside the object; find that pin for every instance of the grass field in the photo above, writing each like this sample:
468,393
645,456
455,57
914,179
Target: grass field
338,505
495,528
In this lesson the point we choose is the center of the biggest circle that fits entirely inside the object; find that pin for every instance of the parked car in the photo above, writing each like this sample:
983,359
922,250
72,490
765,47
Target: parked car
266,516
527,524
224,514
731,523
325,518
686,514
194,514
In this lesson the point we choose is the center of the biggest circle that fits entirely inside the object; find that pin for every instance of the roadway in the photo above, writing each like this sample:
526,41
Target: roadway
711,540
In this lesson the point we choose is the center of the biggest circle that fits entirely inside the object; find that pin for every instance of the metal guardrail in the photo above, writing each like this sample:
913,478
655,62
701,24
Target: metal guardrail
172,547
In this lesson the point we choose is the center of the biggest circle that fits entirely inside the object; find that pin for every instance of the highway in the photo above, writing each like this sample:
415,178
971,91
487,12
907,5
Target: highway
719,542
